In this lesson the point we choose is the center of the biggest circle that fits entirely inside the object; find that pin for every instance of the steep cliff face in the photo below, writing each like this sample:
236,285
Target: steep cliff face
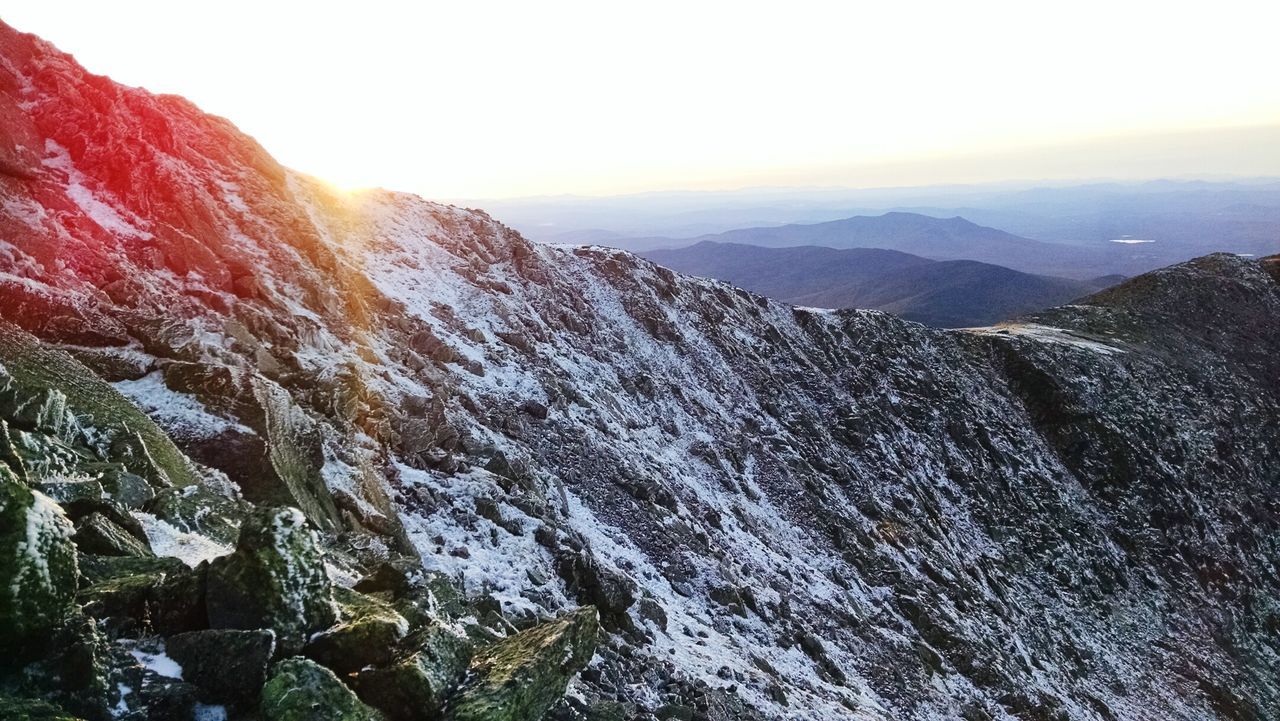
779,513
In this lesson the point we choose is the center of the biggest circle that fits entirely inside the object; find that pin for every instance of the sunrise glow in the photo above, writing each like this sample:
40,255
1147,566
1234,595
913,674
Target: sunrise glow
498,99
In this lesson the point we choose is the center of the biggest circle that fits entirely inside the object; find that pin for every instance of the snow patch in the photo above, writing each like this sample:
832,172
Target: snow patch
166,540
177,413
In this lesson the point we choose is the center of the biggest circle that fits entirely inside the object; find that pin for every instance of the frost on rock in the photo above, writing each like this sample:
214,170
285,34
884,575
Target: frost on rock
38,572
275,579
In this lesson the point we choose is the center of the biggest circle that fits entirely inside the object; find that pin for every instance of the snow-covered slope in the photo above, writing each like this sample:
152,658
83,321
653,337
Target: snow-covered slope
780,512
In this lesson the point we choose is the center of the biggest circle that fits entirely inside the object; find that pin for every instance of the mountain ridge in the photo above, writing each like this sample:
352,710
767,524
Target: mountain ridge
955,293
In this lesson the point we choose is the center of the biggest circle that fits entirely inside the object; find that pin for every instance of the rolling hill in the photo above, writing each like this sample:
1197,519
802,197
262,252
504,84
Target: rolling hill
952,293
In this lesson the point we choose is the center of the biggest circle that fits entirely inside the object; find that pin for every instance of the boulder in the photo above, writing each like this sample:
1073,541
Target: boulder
127,489
95,533
599,586
197,509
229,666
519,678
275,579
32,368
368,636
38,570
180,601
302,690
95,569
418,684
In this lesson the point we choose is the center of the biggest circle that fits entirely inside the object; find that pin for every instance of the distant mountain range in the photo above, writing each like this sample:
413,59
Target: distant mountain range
951,293
1184,219
934,238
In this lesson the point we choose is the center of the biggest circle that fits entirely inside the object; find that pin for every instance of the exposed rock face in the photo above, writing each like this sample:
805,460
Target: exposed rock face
782,513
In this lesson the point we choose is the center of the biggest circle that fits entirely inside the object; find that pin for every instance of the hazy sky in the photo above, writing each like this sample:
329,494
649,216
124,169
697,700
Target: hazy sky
487,99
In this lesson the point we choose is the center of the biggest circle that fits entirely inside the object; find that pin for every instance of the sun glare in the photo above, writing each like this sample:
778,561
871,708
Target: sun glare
498,99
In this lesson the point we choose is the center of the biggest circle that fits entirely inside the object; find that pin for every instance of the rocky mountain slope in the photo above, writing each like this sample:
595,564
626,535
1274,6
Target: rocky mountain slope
273,451
940,293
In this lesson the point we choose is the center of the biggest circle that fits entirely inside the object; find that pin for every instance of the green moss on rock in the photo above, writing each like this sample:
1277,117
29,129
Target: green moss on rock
418,684
21,709
519,678
275,579
369,634
38,571
33,368
302,690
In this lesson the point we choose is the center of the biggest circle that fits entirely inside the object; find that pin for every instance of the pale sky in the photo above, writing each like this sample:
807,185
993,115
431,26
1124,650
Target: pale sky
492,99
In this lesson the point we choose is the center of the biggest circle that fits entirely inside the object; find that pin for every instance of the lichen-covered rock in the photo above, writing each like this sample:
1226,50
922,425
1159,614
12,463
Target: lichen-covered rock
368,635
198,509
38,569
302,690
123,601
275,579
293,446
95,568
418,684
135,440
71,670
21,709
229,666
521,677
127,489
95,533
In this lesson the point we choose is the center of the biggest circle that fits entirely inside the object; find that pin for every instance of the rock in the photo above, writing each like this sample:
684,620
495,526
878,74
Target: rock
197,509
275,579
66,491
593,584
369,636
128,489
72,671
95,533
21,709
418,684
124,600
95,568
519,678
38,568
294,449
229,666
302,690
398,577
134,439
180,601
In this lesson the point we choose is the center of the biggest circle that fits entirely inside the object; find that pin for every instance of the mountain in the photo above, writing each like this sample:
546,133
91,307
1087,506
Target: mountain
292,452
954,293
936,238
1184,218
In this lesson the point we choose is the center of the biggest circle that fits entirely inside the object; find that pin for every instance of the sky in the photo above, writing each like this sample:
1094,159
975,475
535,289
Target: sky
480,99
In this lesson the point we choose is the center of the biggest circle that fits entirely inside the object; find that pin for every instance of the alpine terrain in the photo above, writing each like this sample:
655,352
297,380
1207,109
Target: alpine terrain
273,451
